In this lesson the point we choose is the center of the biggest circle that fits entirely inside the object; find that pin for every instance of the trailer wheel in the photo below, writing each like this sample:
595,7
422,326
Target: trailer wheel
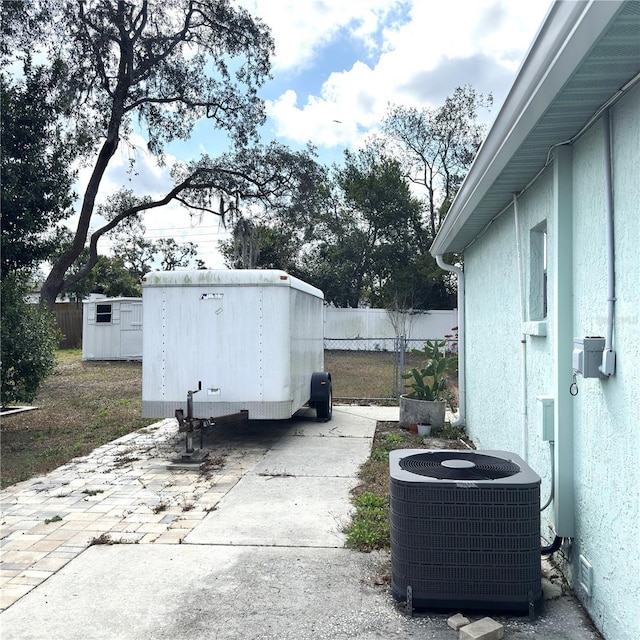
322,396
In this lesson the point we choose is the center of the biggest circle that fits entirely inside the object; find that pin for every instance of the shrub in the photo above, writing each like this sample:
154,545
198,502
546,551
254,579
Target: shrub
28,344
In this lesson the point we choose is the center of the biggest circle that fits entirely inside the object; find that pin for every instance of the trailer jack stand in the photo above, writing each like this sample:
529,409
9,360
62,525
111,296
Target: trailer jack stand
191,457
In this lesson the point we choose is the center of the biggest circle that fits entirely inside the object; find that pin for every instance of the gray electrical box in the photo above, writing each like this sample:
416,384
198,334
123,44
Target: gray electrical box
587,356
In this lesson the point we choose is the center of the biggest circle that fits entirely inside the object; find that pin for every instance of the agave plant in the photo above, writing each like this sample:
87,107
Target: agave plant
430,381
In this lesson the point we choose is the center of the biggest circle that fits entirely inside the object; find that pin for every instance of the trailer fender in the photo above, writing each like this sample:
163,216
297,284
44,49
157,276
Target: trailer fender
321,395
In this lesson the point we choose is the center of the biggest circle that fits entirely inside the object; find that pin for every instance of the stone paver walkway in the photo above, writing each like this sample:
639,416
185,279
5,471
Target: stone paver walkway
121,492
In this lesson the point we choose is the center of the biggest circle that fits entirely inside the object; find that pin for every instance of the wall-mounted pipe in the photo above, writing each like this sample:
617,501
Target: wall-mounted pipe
608,366
462,405
524,433
550,498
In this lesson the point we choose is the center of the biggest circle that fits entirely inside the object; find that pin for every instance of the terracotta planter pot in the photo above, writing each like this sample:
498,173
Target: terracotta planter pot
421,412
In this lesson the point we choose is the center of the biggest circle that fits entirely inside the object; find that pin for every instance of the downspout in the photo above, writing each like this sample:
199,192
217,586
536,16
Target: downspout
563,418
460,420
524,436
608,366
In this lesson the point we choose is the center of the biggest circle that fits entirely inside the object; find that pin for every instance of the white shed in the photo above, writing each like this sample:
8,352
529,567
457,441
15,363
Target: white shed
112,329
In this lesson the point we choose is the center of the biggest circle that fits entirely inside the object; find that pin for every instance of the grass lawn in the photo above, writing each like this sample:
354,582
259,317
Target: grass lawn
363,374
80,407
360,374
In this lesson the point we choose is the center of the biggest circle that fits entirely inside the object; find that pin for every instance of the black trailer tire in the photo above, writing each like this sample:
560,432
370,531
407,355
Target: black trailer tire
322,396
324,408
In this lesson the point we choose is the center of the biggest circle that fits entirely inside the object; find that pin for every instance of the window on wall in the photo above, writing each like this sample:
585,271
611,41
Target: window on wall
103,313
538,273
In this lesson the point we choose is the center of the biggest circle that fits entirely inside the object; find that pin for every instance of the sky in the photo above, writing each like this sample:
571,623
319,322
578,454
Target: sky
338,65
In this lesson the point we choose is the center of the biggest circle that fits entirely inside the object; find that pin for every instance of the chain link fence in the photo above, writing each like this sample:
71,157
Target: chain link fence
372,368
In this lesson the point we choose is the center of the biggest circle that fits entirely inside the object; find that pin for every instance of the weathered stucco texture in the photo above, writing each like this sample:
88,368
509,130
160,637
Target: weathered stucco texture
606,473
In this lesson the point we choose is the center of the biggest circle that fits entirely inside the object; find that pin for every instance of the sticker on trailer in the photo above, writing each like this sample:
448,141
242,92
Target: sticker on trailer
211,296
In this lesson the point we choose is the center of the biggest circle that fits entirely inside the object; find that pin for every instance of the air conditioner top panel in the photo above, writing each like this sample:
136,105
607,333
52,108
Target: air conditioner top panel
459,467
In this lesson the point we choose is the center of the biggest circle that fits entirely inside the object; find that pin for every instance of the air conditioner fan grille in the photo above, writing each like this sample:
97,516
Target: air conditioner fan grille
445,465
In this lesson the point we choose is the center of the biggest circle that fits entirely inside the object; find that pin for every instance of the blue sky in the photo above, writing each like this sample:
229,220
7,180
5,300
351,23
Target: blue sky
347,60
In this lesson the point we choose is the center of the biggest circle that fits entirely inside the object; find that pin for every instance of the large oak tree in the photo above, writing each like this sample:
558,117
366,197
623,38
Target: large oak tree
159,67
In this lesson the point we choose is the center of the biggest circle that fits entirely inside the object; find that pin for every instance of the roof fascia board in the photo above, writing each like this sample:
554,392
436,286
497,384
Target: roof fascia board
565,38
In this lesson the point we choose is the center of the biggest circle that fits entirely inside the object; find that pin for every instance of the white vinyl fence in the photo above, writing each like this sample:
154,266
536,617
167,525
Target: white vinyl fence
377,329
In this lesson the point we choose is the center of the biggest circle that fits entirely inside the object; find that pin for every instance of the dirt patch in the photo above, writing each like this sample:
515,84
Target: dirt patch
369,529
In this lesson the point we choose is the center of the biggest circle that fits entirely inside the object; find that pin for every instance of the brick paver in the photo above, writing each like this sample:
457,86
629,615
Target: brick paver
122,489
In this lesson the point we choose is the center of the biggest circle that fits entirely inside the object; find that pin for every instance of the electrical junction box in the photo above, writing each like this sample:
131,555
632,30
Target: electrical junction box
587,356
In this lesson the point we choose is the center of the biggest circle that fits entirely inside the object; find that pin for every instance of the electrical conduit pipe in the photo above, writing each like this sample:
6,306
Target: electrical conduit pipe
524,435
608,366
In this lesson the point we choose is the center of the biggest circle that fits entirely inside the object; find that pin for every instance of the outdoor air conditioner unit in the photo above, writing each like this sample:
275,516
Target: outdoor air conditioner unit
465,530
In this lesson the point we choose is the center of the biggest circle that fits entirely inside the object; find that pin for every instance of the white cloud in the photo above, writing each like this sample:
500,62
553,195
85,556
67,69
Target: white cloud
337,117
417,60
443,45
301,28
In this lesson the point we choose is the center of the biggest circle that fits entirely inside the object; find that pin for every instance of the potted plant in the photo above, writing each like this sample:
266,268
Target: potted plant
425,401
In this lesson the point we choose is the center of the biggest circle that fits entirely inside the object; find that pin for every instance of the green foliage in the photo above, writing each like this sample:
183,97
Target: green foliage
27,344
358,235
366,231
163,67
263,246
113,279
36,178
430,381
135,255
449,432
370,527
380,452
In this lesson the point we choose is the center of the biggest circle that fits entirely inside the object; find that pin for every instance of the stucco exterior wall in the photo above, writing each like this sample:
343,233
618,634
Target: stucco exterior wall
606,419
606,472
494,333
493,338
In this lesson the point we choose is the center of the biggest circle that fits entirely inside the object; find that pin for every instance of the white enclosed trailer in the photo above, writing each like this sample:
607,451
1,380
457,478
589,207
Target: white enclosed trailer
112,329
232,341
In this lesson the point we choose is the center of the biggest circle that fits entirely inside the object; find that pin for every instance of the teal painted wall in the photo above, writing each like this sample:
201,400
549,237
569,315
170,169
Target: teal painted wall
606,422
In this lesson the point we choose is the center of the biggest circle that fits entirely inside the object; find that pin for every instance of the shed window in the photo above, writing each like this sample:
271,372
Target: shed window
538,273
103,313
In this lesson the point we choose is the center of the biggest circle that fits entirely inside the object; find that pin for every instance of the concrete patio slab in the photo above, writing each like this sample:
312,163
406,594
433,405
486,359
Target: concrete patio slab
182,591
315,456
372,412
189,592
279,511
200,568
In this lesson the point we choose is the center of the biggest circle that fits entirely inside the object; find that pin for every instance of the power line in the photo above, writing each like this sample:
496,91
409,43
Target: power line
218,230
189,238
